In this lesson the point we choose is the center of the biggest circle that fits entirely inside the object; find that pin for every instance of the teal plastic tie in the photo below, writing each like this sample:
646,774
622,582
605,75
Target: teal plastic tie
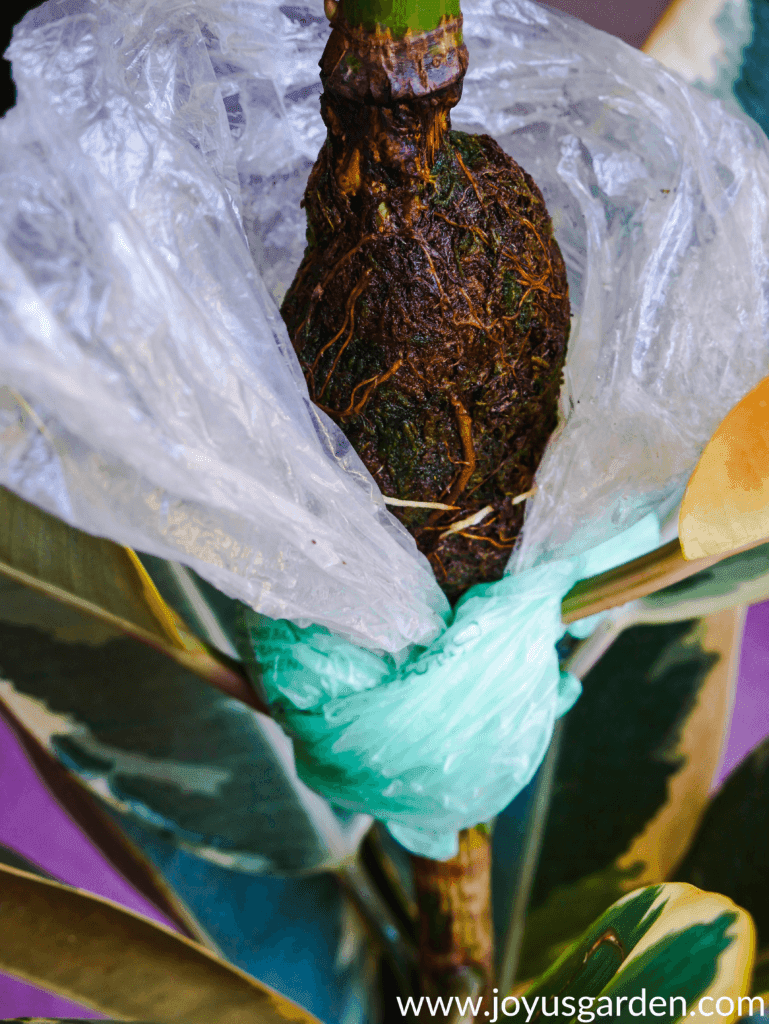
450,736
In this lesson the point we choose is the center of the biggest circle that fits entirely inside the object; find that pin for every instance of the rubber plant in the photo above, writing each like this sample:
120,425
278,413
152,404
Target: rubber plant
430,315
56,702
682,952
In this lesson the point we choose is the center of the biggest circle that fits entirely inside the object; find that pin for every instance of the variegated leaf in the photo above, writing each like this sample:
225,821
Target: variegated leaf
94,952
689,951
137,726
729,851
638,756
741,579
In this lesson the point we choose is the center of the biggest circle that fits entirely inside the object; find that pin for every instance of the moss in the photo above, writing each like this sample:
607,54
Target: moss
435,336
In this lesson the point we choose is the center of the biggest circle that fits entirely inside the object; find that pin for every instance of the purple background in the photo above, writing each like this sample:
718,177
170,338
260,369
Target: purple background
34,825
750,718
632,21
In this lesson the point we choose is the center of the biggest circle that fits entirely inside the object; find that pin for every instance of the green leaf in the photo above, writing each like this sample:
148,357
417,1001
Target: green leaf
92,573
638,755
149,737
107,584
730,850
672,942
90,950
137,727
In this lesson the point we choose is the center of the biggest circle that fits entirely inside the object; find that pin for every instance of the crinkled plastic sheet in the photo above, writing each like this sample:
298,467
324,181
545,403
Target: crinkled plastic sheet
451,736
168,410
150,224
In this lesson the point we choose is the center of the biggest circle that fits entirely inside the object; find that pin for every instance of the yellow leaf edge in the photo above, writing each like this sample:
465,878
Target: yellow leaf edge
91,950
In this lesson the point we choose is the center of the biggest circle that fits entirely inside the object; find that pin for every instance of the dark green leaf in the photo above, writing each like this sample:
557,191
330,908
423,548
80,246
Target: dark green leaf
730,851
639,751
670,942
150,737
12,859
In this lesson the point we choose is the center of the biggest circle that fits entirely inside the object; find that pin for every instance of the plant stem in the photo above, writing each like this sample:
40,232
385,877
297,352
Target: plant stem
391,72
455,928
390,51
398,16
635,579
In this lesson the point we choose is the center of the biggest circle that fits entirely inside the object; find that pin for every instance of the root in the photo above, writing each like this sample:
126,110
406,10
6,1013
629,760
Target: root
423,246
418,504
325,211
373,382
320,288
522,497
545,249
472,520
471,179
465,424
466,227
489,540
354,295
456,326
437,558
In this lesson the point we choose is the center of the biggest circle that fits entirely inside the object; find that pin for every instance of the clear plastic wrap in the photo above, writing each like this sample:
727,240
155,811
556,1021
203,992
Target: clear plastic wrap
150,224
151,394
659,196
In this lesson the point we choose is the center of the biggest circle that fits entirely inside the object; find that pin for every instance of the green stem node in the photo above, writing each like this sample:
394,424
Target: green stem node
399,16
393,51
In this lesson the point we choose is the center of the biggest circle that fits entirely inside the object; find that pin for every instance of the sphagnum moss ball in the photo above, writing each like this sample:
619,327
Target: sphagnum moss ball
430,313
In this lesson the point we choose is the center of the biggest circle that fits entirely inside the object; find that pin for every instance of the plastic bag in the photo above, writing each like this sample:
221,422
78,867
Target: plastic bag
150,221
450,737
659,198
152,395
